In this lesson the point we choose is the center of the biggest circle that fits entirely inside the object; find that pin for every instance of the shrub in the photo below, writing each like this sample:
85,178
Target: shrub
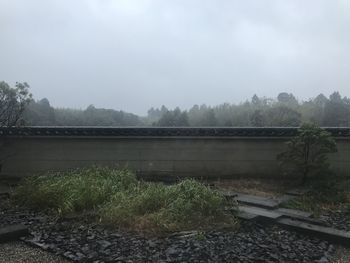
73,191
306,153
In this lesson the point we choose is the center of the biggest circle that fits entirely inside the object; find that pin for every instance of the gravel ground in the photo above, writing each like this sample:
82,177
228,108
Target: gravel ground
338,218
342,255
20,252
82,241
252,243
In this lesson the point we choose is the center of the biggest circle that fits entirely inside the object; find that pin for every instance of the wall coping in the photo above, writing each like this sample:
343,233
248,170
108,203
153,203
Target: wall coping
54,131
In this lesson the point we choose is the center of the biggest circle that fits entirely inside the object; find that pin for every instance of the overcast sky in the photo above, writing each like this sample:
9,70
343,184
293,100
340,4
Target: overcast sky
132,55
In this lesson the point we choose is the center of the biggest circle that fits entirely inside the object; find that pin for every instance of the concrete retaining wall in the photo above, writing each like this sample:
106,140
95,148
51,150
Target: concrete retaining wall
201,156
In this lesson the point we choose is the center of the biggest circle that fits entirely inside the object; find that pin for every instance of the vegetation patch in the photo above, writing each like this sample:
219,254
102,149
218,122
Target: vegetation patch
186,205
73,191
122,201
324,194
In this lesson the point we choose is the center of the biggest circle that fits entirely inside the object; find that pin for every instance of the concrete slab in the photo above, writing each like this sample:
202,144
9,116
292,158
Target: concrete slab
293,212
278,213
327,233
300,215
266,210
263,213
12,232
257,201
246,216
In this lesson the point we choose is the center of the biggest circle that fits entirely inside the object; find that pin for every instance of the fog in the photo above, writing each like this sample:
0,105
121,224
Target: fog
132,55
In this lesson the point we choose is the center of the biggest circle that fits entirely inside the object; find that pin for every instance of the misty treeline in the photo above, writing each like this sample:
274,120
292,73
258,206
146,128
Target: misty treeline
41,113
283,111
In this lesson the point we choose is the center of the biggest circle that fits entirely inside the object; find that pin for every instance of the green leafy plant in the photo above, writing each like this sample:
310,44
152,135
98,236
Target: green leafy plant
306,153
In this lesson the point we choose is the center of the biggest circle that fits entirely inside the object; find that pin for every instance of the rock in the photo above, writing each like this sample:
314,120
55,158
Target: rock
323,260
171,251
251,243
104,243
90,237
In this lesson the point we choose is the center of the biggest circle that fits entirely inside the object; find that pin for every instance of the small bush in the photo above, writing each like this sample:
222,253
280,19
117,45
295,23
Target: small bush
73,191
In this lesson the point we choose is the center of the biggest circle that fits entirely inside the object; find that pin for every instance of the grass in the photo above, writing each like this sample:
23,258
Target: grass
73,191
186,205
122,201
324,194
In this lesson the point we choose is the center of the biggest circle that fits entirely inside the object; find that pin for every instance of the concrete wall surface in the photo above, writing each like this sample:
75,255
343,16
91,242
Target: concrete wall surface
200,156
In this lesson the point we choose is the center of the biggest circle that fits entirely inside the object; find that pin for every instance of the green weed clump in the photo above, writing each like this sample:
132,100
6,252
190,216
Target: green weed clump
73,191
156,207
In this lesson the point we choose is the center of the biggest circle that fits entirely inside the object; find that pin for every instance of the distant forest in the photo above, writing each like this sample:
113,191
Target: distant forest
283,111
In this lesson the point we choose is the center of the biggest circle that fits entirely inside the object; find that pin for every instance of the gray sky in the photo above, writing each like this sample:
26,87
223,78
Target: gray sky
132,55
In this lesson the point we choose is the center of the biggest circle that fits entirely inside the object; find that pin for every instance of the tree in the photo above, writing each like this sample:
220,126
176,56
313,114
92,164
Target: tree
306,153
40,113
12,105
313,110
320,100
287,99
195,115
174,118
256,101
13,102
209,118
283,116
257,119
336,111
